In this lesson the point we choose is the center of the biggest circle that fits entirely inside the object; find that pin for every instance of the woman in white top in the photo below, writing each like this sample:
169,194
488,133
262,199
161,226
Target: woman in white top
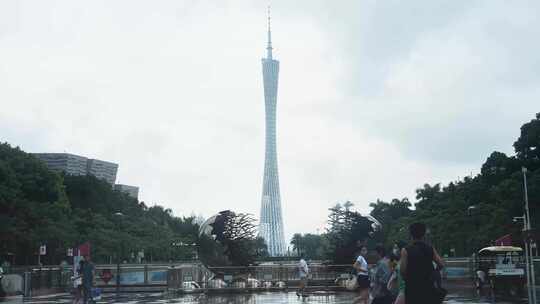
362,277
77,284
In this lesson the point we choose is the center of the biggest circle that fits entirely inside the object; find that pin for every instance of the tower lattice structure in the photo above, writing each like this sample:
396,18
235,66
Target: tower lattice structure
271,221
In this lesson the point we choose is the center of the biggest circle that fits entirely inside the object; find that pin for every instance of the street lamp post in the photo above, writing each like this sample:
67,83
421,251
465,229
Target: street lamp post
524,171
527,262
528,248
472,212
119,215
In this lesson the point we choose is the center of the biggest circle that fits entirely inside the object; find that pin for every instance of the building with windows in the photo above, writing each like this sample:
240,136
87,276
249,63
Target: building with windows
130,190
102,170
79,165
68,163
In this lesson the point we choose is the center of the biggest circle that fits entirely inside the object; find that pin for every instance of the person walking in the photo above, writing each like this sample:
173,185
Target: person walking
380,292
396,285
362,276
417,269
303,272
77,284
88,272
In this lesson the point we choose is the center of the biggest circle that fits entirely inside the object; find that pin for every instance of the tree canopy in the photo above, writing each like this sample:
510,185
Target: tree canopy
346,231
466,215
38,206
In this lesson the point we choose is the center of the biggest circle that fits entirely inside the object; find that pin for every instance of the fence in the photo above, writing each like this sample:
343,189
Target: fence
159,277
458,268
266,276
131,275
286,272
38,280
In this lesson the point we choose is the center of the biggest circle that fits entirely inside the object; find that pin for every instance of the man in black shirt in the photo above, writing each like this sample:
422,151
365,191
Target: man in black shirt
416,266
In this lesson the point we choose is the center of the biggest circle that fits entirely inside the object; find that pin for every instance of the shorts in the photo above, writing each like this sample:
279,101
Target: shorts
362,281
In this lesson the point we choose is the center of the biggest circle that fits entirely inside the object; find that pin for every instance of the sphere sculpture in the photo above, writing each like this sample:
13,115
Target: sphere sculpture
375,225
229,239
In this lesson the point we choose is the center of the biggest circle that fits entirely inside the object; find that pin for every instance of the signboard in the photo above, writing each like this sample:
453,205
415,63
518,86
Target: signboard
42,249
505,240
70,252
456,272
84,249
132,277
157,276
106,275
507,272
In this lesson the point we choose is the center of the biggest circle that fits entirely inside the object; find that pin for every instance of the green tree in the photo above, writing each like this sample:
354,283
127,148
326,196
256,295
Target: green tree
312,246
527,146
471,213
296,242
33,207
389,215
38,206
346,231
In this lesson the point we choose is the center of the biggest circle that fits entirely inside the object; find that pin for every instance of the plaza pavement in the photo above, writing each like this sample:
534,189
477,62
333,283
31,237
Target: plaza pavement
457,295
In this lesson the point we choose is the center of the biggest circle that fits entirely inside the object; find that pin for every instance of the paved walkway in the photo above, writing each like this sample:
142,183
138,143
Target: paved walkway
454,297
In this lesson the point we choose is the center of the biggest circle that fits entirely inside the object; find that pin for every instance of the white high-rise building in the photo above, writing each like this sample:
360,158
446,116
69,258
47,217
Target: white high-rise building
271,221
103,170
79,165
69,163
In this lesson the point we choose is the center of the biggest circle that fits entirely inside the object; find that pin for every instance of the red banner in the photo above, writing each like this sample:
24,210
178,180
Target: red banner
505,240
84,249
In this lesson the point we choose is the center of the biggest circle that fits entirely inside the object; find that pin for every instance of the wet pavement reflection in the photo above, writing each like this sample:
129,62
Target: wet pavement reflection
455,296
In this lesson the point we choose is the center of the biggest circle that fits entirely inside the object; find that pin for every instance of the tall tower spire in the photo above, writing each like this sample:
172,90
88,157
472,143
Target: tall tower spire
271,222
269,46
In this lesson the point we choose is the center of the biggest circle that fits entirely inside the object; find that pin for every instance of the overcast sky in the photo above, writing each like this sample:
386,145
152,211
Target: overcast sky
375,97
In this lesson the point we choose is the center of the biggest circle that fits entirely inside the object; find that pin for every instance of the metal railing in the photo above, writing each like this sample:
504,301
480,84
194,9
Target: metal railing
159,277
278,276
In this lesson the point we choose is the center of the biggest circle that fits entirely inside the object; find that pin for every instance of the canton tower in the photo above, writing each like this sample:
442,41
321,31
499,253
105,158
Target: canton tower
271,222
